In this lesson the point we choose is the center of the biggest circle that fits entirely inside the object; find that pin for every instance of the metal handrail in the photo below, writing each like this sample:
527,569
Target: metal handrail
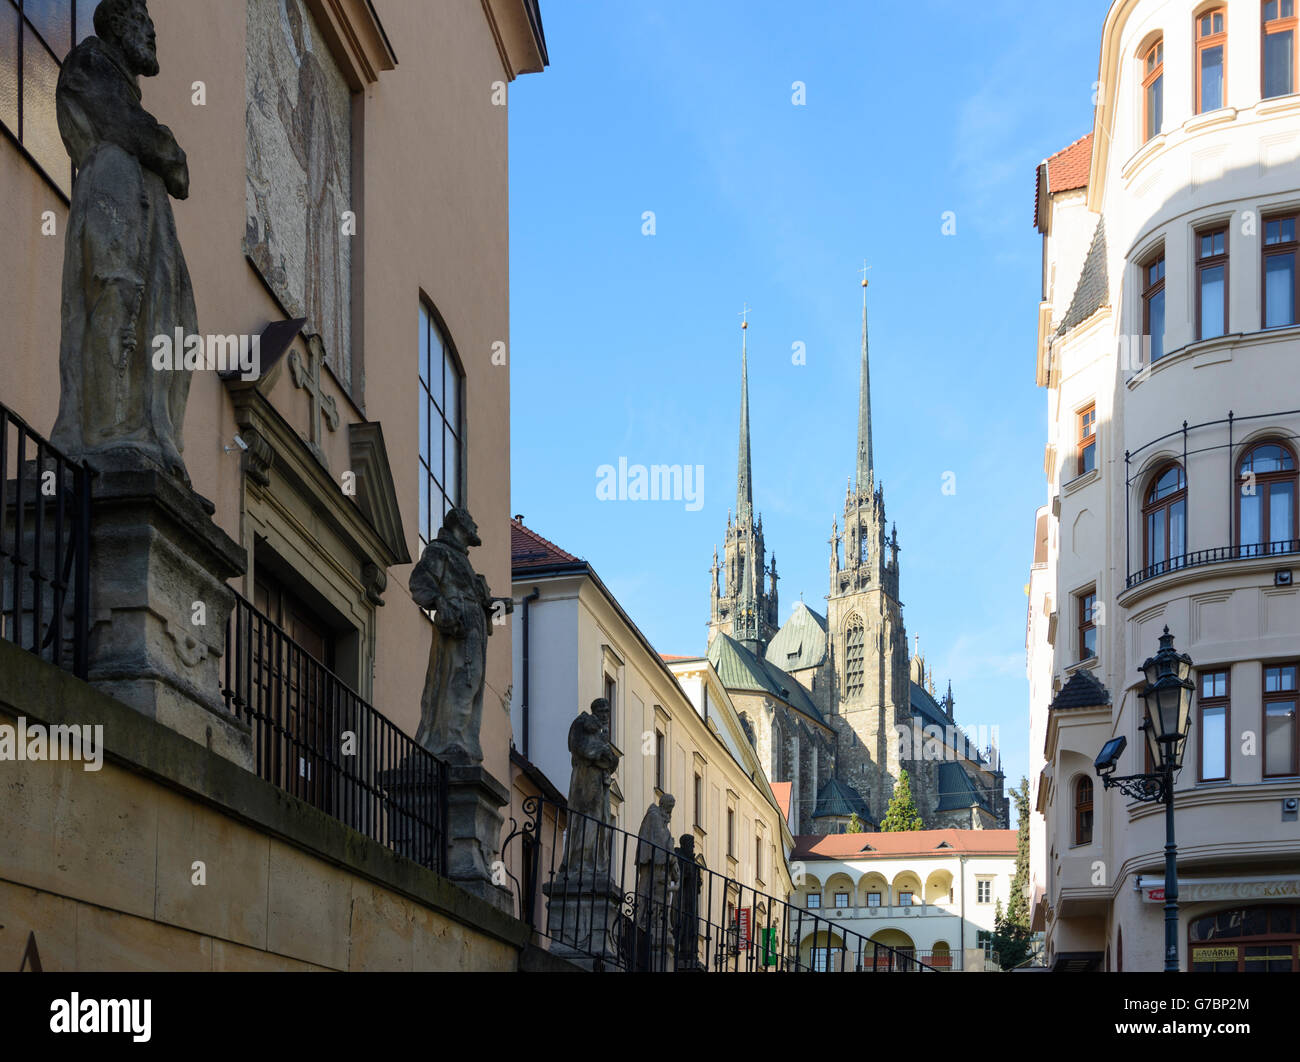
319,740
44,547
619,918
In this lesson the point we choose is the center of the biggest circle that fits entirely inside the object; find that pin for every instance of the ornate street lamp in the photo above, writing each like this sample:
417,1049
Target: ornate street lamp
1167,700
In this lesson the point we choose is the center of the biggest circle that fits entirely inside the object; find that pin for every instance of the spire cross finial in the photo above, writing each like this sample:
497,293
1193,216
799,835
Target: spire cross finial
864,271
744,316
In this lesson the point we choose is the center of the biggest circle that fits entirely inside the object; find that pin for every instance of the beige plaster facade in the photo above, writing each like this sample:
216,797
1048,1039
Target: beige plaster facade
429,189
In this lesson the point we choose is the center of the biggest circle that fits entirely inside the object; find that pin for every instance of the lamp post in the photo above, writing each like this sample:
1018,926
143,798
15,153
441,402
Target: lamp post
1167,701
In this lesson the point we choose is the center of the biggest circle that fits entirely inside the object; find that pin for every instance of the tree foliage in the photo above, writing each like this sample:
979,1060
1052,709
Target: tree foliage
901,813
1012,937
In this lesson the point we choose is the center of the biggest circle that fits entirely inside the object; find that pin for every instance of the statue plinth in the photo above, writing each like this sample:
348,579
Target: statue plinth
155,558
474,820
583,919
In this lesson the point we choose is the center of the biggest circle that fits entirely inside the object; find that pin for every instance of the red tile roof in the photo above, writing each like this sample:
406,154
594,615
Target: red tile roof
910,843
782,790
671,656
1067,170
530,550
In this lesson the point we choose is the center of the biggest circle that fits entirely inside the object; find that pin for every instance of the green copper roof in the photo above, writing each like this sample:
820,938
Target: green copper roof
839,799
957,791
801,642
739,669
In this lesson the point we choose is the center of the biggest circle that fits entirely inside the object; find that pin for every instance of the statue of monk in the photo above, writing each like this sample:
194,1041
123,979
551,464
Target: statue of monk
587,838
451,709
124,277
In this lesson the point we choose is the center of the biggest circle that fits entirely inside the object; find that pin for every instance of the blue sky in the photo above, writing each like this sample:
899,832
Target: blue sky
628,345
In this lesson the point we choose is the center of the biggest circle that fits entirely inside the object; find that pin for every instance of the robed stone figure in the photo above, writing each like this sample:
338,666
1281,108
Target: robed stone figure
451,709
587,837
657,872
657,878
124,277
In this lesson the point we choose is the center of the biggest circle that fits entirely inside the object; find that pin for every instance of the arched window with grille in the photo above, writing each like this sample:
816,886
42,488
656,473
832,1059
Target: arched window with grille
1266,499
1164,519
1083,810
854,657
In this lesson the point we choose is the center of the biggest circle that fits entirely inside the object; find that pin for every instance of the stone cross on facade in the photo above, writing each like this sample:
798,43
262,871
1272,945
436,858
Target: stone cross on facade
307,375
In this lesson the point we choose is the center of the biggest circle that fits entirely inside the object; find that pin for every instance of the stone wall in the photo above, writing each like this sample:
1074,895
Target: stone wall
100,864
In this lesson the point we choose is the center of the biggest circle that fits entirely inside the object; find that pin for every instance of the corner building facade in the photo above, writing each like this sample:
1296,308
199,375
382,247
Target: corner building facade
1168,339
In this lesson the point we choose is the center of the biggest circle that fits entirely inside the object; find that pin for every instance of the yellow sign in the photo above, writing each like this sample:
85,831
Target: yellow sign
1214,955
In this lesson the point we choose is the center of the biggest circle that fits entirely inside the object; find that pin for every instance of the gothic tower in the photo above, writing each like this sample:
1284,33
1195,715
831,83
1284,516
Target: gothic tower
743,601
867,640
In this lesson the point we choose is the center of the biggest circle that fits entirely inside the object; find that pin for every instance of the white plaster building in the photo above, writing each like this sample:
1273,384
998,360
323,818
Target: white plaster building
928,893
671,718
1169,333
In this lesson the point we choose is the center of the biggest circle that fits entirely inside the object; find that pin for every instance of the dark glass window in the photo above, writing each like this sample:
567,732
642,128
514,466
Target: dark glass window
1153,304
442,388
1280,277
1211,47
1279,720
1153,88
1087,456
1279,48
1212,283
1266,504
1088,625
1083,811
35,38
1212,701
1164,514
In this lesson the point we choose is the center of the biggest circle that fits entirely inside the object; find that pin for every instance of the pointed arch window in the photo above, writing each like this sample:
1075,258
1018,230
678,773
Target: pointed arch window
1083,811
854,657
1266,500
1164,518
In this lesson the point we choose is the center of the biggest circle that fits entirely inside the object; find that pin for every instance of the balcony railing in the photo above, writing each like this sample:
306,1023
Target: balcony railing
1218,555
44,547
681,917
318,740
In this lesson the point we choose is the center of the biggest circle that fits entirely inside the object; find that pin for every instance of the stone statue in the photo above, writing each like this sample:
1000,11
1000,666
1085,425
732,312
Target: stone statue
586,842
657,873
686,906
124,277
451,709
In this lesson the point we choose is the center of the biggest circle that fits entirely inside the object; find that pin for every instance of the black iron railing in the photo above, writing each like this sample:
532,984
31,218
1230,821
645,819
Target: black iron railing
625,903
44,547
1218,555
317,739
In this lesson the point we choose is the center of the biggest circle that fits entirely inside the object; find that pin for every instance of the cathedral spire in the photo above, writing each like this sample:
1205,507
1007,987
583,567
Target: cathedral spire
865,471
744,483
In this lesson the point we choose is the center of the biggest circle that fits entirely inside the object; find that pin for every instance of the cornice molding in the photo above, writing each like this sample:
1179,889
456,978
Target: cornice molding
356,39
